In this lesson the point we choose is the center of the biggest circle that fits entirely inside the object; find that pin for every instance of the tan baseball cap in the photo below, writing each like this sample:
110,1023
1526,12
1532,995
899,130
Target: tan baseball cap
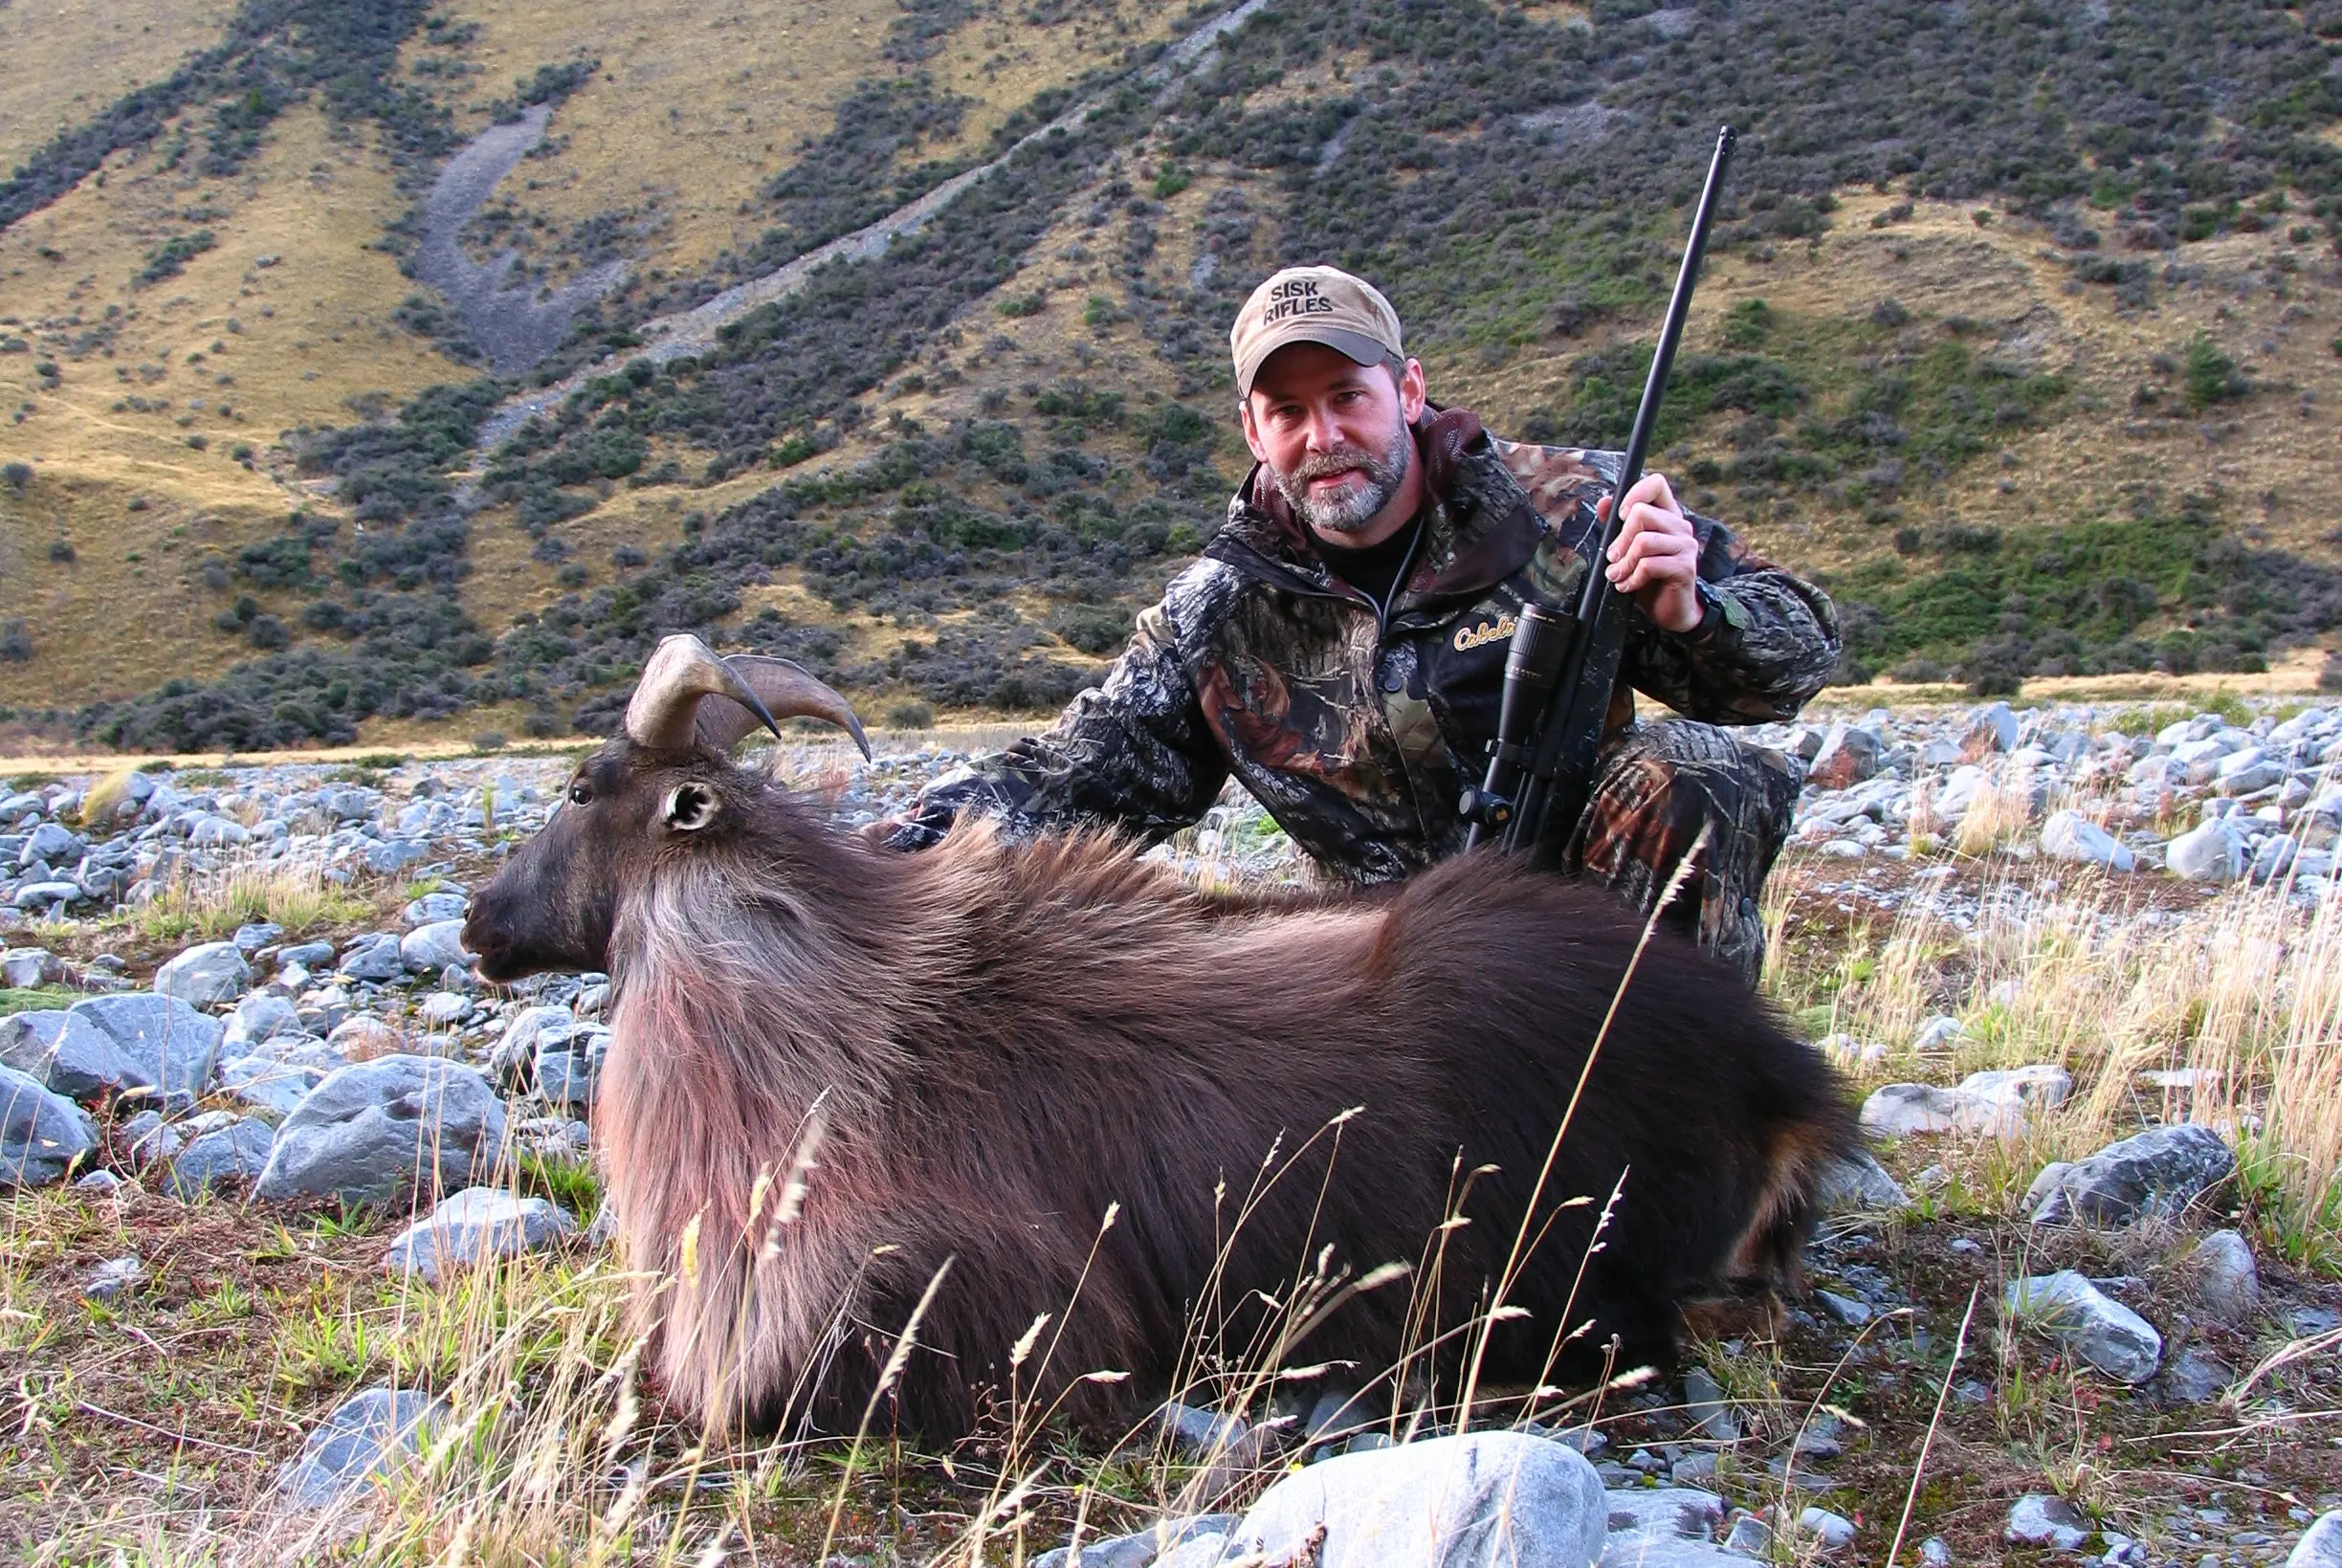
1313,305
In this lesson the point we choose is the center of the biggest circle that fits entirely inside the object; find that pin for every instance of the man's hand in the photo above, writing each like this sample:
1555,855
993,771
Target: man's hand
1655,558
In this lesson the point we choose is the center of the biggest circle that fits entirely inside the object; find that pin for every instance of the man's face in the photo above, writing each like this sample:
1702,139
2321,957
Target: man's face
1334,434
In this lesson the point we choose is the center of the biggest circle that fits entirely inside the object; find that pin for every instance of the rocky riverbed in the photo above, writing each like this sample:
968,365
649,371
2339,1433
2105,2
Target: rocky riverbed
162,1051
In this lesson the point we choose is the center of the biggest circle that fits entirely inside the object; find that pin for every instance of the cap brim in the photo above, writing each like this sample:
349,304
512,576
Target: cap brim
1357,345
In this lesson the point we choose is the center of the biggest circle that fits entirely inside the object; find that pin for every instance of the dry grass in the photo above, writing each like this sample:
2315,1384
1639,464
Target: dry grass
209,905
2064,966
66,62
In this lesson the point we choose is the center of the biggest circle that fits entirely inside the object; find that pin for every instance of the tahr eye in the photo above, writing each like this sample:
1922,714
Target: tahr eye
578,794
690,807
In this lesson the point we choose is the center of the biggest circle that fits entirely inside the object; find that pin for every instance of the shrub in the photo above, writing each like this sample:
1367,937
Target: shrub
61,551
913,714
2211,375
15,643
17,476
489,741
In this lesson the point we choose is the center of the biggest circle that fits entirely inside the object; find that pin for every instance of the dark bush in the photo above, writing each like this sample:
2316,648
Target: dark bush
16,476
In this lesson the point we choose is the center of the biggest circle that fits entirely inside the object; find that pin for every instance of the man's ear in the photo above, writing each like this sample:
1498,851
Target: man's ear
1243,413
1412,392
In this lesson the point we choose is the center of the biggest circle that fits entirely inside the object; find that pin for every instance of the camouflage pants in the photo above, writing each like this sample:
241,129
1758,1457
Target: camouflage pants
1658,787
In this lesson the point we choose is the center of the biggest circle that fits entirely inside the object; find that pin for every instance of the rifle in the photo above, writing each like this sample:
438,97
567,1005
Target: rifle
1559,670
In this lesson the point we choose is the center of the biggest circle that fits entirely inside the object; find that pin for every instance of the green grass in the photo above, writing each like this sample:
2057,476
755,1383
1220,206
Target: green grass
14,999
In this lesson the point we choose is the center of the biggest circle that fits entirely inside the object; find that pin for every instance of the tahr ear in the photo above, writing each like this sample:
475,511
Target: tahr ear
691,805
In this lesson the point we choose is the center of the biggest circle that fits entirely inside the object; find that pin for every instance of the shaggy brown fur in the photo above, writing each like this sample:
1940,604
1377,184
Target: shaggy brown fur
1003,1041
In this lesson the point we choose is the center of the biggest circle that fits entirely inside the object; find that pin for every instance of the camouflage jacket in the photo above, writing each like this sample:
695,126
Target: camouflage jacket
1357,733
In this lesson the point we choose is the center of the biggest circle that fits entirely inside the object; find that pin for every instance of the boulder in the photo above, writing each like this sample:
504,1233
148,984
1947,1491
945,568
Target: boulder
2212,851
1149,1548
430,948
1990,730
1848,756
205,975
26,967
175,1047
475,1224
1997,1102
2069,835
276,1074
260,1016
68,1054
2321,1544
367,1440
2227,1283
1859,1182
2040,1519
432,908
374,1131
2161,1172
373,957
1664,1527
238,1152
364,1038
2196,1376
1476,1500
42,1133
2089,1323
512,1061
567,1077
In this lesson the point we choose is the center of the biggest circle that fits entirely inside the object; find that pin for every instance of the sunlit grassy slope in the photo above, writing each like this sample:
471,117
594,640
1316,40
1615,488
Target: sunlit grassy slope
68,59
157,448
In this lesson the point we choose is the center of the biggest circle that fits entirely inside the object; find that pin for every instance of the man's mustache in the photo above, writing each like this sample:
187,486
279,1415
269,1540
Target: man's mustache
1325,465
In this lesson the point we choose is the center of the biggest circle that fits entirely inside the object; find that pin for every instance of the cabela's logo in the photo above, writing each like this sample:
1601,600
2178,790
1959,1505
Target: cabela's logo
1470,637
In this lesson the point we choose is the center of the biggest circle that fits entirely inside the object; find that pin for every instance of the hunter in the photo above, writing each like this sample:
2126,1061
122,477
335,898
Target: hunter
1340,646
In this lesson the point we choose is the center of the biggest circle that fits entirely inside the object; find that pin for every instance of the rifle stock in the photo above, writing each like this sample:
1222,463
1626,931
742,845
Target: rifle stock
1560,671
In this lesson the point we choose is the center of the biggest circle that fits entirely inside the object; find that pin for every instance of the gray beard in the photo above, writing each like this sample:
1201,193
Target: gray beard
1350,511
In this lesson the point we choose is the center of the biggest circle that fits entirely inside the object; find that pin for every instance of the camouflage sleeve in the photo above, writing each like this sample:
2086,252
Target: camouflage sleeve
1768,642
1133,753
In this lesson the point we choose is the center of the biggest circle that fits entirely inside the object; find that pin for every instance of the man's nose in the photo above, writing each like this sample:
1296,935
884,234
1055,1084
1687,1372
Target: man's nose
1324,434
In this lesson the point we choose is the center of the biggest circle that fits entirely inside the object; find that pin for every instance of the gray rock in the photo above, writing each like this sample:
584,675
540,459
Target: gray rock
2068,835
441,1009
1903,1110
276,1074
251,938
568,1077
1936,1553
1197,1433
475,1224
2196,1376
2308,1321
260,1016
1845,1309
1990,729
97,1181
235,1153
512,1061
308,955
373,1132
42,894
434,906
1833,1531
2227,1282
205,975
67,1053
1750,1537
26,967
2213,851
368,1438
1936,1034
1472,1501
1143,1548
393,856
1636,1516
2040,1519
1711,1415
175,1047
2159,1172
1859,1182
113,1279
364,1038
1848,756
53,845
2094,1326
42,1135
374,957
2321,1544
430,948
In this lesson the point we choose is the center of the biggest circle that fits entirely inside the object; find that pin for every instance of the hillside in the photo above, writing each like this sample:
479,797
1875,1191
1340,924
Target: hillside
2022,331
